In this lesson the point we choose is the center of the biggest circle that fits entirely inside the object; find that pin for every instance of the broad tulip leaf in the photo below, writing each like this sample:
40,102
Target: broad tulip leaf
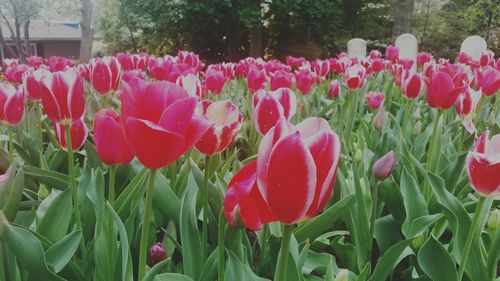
55,222
436,262
172,277
59,254
150,275
388,261
414,201
234,267
126,259
29,252
11,192
50,178
165,199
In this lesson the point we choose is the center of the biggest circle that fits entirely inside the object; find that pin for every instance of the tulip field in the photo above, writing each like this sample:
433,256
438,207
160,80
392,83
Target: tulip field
136,167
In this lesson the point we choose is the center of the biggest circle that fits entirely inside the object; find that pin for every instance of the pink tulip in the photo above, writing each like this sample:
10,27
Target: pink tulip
375,99
334,89
79,133
33,81
441,91
215,80
412,86
321,67
354,77
191,59
488,80
383,167
111,144
423,58
304,79
392,53
224,120
270,107
105,75
483,165
281,79
256,79
192,84
487,59
11,104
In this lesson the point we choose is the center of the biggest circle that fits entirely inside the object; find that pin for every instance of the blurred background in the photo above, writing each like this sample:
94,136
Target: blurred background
228,30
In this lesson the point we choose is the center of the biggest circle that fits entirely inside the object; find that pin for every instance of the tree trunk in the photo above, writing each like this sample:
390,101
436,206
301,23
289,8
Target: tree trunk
87,32
403,11
17,40
256,42
6,48
27,47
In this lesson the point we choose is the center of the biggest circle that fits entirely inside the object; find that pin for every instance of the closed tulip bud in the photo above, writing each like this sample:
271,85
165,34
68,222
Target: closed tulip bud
334,89
63,96
281,79
243,202
379,119
298,191
374,99
79,133
159,121
382,169
105,74
256,79
32,83
358,156
11,104
483,165
270,107
416,113
418,242
343,275
215,80
304,80
156,254
494,220
412,86
111,144
225,123
488,80
417,128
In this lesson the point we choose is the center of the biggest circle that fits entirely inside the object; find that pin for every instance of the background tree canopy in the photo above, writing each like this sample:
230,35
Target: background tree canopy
232,29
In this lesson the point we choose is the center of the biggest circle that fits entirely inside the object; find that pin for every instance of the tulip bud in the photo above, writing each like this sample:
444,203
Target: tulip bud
494,220
384,166
343,275
417,128
358,156
416,113
417,242
156,254
379,119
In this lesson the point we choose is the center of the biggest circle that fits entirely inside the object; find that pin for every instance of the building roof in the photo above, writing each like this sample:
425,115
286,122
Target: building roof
44,30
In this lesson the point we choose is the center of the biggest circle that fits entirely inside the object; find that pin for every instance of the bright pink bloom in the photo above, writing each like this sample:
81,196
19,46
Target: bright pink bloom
191,59
156,254
375,54
423,58
281,79
354,77
374,99
159,121
243,201
192,84
392,53
131,62
15,72
488,80
11,104
215,80
128,75
111,144
79,133
33,81
60,63
483,165
160,68
412,86
487,58
225,123
36,62
256,79
105,74
270,107
321,67
296,168
376,65
464,58
63,97
441,91
334,89
304,79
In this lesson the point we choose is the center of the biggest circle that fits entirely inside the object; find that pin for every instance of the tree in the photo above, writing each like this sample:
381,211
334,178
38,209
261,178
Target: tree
87,31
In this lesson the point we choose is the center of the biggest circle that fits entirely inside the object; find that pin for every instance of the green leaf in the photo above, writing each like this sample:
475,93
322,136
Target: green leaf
55,222
11,192
190,236
316,226
172,277
386,264
421,224
150,275
414,201
126,260
128,199
436,262
59,254
234,268
50,178
29,252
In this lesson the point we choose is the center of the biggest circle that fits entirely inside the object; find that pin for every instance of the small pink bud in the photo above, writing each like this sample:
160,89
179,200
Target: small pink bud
383,167
156,254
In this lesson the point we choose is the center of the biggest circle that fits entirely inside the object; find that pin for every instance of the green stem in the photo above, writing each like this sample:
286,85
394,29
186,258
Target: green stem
112,177
263,246
5,259
38,113
407,117
204,233
222,225
145,225
10,131
473,232
373,214
431,161
284,253
73,187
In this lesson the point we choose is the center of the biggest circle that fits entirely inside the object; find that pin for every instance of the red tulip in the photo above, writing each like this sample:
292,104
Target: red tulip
256,79
304,79
225,124
334,89
192,84
412,86
376,65
375,54
132,62
79,133
321,67
483,165
374,99
33,81
281,79
296,167
215,80
244,201
11,104
354,77
487,58
62,96
105,75
423,58
488,80
392,53
156,254
15,72
160,68
191,59
159,121
60,63
441,91
36,62
466,106
336,66
111,144
270,107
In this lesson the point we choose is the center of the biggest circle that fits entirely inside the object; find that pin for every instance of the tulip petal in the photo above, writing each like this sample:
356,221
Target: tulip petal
267,113
291,179
177,116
